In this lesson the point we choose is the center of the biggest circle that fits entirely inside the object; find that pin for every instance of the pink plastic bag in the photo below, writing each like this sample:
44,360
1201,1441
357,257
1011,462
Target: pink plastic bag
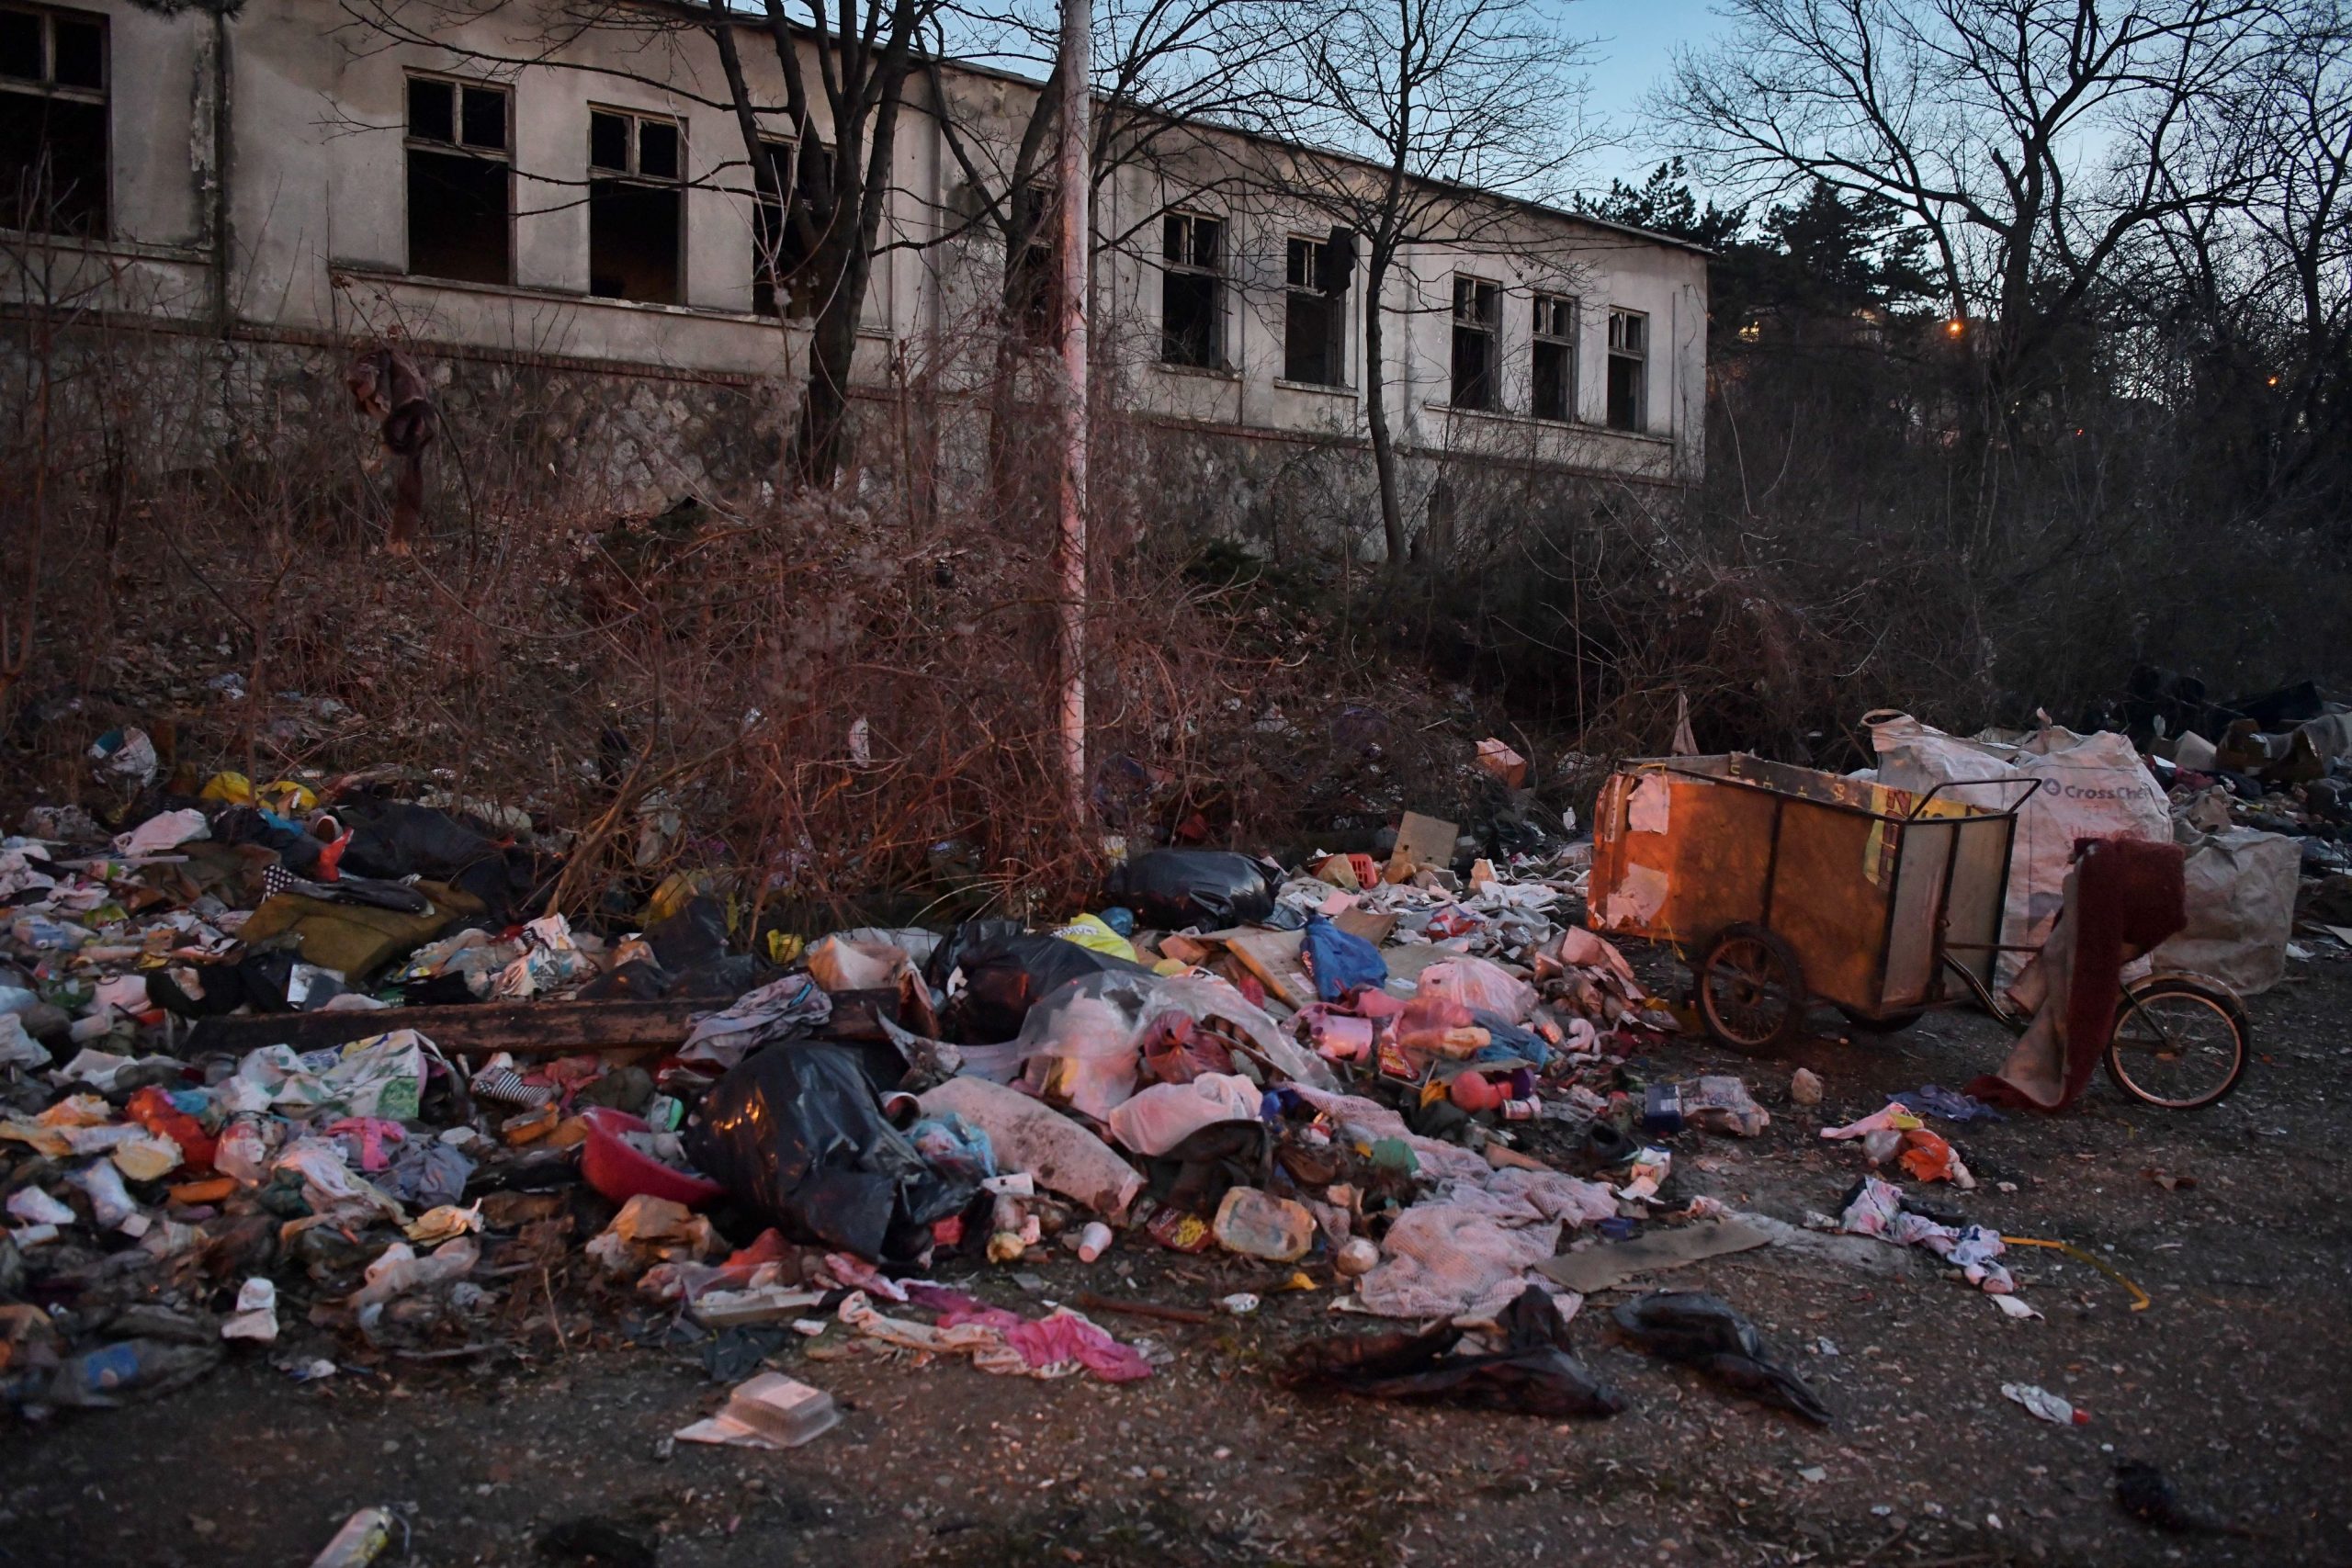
1479,984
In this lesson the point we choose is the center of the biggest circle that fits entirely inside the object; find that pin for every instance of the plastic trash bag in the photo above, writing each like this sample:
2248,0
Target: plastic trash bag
1341,961
1703,1331
794,1132
1533,1375
1156,1120
1480,985
1169,889
1005,977
839,963
1093,932
1082,1047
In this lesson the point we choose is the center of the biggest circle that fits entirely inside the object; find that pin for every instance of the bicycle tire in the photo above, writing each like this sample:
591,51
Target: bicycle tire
2224,1007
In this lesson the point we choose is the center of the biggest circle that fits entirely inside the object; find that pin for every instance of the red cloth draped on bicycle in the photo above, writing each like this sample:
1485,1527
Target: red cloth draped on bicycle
2122,898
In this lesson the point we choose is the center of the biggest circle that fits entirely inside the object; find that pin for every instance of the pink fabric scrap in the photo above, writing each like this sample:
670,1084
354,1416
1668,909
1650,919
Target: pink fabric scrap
372,1132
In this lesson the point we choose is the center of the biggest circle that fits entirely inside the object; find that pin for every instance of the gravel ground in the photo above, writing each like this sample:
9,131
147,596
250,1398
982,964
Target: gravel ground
2233,1382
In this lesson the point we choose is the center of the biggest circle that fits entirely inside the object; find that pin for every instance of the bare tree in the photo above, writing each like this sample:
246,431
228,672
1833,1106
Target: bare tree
1164,72
853,61
1441,108
2031,139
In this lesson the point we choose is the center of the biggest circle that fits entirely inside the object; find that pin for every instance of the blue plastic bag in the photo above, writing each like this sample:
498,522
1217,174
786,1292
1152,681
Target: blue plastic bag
1340,963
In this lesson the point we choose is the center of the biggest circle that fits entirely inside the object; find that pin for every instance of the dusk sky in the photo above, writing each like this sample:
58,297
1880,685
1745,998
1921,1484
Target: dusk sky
1637,39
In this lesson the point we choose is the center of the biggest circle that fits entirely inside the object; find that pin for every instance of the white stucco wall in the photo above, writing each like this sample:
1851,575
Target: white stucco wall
315,170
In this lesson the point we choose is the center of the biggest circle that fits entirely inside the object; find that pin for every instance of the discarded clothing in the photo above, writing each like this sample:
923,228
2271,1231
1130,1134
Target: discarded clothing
1003,1342
794,1005
1875,1208
2122,899
1927,1100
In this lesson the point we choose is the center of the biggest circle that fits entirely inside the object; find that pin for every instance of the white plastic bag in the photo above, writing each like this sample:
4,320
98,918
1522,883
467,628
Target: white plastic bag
1481,985
2093,786
2241,895
1156,1120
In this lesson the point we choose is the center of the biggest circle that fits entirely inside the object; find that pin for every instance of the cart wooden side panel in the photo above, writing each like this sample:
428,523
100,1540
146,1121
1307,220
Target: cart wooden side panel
1677,859
1855,877
1831,898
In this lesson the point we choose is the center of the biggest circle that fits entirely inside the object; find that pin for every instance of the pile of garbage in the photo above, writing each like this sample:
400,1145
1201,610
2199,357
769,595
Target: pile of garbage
298,1068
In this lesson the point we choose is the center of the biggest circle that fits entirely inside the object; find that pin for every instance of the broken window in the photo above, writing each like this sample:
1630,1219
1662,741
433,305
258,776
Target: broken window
1191,291
53,121
460,179
1629,370
1315,310
781,233
1033,290
1477,316
637,203
1554,359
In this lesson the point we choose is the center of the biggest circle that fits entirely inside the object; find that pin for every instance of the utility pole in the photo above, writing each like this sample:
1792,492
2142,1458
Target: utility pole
1078,30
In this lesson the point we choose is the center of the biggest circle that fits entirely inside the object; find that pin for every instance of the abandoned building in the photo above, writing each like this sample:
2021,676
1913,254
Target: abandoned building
271,186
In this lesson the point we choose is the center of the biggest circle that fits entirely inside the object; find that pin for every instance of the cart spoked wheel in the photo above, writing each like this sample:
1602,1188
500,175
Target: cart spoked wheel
2180,1043
1751,991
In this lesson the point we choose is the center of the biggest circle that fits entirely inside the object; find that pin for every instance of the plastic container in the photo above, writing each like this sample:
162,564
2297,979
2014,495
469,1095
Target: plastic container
1258,1225
1662,1108
783,1410
1093,1241
620,1173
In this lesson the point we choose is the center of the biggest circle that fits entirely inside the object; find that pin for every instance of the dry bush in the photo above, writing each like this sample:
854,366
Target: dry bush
816,697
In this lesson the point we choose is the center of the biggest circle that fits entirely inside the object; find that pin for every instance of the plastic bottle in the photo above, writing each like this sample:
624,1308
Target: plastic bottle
96,1377
363,1538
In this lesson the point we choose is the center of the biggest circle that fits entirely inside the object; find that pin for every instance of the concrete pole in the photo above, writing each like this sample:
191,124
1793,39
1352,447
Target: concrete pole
1078,28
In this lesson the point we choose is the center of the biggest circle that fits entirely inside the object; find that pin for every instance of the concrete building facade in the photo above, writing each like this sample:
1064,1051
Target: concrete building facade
289,178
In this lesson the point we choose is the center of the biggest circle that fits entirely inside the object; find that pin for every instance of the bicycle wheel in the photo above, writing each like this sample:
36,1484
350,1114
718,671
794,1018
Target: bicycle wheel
2180,1043
1751,991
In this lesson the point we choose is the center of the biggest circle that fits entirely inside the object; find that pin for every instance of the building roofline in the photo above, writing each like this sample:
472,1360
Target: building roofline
1544,209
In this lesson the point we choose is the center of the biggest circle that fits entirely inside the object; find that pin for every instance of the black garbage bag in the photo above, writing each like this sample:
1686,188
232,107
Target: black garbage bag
969,936
1169,889
691,938
1706,1332
1003,979
794,1132
394,838
1533,1375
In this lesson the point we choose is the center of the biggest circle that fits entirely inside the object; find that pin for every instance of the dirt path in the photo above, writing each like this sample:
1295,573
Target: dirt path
2233,1382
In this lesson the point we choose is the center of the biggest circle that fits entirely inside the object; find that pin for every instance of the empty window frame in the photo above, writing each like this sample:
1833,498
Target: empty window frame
460,180
1477,318
1191,291
1033,288
783,235
637,202
1629,370
54,163
1314,311
1552,361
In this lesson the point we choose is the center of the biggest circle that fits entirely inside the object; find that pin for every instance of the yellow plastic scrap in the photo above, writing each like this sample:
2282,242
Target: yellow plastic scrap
289,799
784,947
234,788
2140,1300
1090,932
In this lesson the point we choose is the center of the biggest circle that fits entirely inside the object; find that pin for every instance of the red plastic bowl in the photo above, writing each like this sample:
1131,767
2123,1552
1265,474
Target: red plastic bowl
621,1173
